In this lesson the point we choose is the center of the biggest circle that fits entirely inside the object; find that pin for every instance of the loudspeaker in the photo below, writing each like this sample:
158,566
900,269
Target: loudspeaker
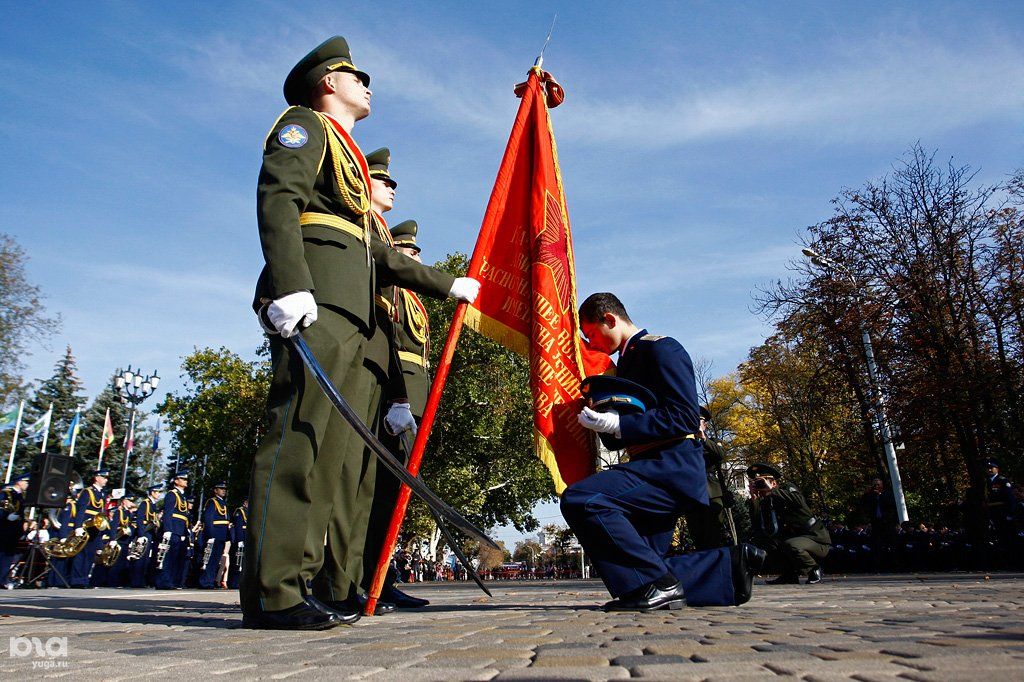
48,486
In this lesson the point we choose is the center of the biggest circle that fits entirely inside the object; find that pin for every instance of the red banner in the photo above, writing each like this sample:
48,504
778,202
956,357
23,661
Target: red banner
527,300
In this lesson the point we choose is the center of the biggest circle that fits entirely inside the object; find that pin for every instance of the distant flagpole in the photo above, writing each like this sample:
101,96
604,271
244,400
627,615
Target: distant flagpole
156,444
14,442
103,439
46,433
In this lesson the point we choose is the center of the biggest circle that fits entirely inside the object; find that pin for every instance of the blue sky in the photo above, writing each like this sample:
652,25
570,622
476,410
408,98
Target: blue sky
697,140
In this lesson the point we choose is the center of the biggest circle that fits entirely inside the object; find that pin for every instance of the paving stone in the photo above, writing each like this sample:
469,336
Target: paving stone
579,673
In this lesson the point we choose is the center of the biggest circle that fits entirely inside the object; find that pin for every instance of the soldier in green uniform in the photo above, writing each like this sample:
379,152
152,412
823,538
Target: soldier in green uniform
313,208
705,524
411,346
795,540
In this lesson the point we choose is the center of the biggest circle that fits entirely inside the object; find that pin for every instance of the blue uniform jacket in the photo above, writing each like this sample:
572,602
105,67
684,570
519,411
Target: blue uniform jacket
239,520
144,515
90,503
661,364
66,519
119,518
215,520
175,516
10,531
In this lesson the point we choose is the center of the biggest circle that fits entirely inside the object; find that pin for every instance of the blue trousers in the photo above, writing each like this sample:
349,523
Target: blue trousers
625,523
170,576
208,576
82,563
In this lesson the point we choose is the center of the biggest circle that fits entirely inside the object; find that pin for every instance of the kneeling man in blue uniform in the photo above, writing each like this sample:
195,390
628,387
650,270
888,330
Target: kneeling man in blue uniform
624,516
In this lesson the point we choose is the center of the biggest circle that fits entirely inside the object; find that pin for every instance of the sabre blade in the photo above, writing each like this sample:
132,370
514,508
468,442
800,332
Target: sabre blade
385,457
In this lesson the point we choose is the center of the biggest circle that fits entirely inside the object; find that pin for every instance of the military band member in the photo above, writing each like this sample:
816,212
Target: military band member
316,230
172,549
122,531
12,523
60,568
215,533
796,541
1002,508
91,502
147,523
189,575
239,522
624,516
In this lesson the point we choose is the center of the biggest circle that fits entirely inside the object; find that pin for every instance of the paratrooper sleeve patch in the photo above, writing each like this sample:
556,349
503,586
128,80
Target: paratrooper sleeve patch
293,136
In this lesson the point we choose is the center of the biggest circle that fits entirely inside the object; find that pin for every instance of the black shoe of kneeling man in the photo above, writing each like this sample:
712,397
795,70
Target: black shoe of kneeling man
401,600
785,579
344,615
302,616
814,575
649,598
747,560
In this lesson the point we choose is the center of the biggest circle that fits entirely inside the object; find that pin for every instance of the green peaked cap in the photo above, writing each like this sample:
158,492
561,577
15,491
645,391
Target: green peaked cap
404,234
331,55
378,161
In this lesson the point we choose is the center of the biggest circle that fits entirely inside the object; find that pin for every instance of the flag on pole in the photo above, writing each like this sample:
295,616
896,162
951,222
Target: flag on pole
527,300
107,439
8,420
73,428
40,427
156,436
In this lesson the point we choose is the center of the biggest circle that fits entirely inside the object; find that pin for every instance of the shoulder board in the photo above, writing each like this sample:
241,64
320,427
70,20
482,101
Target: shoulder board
651,337
789,487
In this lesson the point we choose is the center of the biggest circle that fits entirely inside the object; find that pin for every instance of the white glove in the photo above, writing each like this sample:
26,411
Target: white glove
79,531
399,419
13,517
602,422
290,313
465,289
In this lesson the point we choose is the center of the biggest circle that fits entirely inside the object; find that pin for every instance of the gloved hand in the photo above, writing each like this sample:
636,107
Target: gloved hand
79,531
292,312
602,422
465,289
399,419
13,517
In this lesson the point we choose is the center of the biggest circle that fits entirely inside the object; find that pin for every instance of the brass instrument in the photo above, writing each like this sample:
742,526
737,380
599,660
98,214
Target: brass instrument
65,548
207,553
7,504
109,554
139,547
240,554
161,549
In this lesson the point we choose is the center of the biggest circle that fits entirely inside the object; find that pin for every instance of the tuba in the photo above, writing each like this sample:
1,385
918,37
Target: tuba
65,548
111,552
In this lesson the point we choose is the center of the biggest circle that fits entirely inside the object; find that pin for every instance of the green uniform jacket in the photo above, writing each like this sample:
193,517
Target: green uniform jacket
297,177
792,516
408,342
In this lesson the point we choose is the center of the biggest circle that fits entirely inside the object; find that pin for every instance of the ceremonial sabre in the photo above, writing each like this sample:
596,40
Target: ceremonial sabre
433,502
448,536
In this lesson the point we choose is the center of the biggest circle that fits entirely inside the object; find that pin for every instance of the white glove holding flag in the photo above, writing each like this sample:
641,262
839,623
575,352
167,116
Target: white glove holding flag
602,422
465,289
399,419
292,312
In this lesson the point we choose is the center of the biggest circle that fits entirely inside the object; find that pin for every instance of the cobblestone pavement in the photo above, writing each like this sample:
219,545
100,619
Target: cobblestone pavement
918,628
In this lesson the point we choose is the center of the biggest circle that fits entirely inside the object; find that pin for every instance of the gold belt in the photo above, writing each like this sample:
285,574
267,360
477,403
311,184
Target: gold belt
634,450
414,358
334,221
180,516
385,304
221,523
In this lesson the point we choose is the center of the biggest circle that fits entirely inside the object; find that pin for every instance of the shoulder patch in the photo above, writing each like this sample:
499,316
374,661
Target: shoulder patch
651,337
293,136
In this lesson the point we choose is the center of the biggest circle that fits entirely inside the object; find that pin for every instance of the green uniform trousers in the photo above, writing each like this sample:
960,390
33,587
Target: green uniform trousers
307,460
794,555
342,571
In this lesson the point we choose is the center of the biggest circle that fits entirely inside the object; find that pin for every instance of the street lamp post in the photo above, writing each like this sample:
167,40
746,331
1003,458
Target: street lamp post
133,388
876,391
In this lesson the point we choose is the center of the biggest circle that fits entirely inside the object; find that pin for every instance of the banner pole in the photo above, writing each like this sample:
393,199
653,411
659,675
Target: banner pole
436,388
14,443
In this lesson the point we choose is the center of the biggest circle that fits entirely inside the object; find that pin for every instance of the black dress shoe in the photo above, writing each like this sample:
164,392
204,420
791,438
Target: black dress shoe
747,560
343,616
814,575
650,599
401,600
302,616
384,606
784,579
